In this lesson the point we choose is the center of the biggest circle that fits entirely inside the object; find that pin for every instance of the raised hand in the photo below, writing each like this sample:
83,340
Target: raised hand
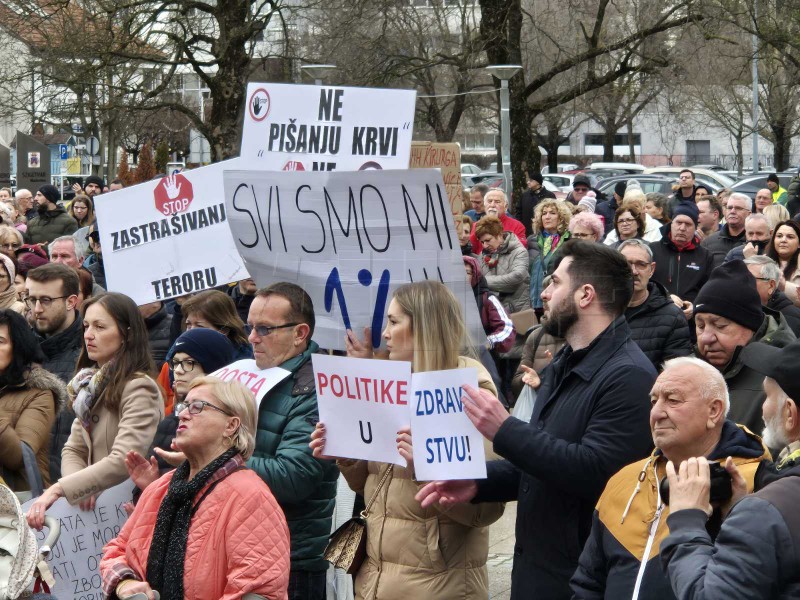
173,190
142,472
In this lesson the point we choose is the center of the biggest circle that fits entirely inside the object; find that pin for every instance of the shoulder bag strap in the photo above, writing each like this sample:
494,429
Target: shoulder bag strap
386,474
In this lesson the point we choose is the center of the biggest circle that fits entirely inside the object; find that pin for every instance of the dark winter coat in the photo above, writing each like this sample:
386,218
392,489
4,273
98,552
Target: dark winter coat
158,333
98,271
755,554
621,526
659,327
304,486
721,242
523,212
780,302
678,198
243,301
47,227
591,417
745,385
682,273
61,352
607,210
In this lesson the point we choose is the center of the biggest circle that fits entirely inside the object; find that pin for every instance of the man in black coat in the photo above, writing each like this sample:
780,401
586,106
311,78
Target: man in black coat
732,234
768,274
682,264
52,297
657,325
530,198
591,417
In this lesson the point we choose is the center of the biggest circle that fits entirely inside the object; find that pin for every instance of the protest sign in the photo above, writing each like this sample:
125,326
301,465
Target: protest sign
446,443
168,237
363,403
325,128
446,158
349,240
75,558
258,381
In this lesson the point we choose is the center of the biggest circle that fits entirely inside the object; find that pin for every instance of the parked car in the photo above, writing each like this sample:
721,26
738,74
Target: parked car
469,169
560,168
561,180
708,167
750,185
617,166
711,178
649,183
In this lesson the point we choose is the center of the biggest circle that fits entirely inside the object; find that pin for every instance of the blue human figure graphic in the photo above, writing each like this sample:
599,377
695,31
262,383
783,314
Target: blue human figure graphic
334,285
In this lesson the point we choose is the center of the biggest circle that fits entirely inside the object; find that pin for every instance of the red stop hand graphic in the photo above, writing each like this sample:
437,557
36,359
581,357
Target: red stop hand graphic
173,194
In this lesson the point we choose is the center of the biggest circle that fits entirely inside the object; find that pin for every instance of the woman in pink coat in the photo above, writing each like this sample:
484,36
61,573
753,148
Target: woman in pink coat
211,529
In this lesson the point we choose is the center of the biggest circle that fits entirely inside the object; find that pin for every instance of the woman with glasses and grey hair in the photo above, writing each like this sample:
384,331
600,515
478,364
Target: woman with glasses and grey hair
211,529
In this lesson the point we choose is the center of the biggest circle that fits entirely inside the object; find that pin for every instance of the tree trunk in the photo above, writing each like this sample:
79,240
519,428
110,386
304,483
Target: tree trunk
631,145
739,153
781,147
608,142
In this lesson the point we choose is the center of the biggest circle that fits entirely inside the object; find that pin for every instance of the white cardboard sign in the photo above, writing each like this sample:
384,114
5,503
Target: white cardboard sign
363,404
258,381
349,240
446,443
324,128
75,558
168,237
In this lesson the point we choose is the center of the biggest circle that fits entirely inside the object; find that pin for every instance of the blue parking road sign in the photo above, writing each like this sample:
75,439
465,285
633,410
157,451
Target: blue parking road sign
64,150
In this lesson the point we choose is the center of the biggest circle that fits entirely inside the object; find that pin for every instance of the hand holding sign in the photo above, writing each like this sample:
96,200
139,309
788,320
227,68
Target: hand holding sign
317,444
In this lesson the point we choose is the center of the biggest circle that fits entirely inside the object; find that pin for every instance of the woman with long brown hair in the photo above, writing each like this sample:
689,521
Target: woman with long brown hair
82,210
116,402
784,249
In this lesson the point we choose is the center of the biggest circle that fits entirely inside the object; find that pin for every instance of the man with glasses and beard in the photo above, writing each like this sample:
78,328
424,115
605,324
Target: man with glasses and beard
591,417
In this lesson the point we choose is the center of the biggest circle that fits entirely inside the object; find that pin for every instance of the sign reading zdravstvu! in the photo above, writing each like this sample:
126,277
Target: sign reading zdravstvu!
168,237
321,128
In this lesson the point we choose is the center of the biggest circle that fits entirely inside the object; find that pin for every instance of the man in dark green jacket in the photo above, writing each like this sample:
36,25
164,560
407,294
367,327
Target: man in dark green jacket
51,221
281,320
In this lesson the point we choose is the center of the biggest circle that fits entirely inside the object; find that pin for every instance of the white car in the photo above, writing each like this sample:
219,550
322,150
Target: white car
470,169
561,180
701,175
618,166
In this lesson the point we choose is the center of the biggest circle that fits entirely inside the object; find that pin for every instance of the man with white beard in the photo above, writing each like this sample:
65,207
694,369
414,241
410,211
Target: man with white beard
780,409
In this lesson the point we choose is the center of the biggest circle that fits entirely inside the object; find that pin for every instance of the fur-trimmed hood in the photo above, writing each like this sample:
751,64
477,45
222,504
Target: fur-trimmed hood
38,378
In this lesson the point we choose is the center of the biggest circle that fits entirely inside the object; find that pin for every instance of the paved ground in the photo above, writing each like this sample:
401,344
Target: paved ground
501,554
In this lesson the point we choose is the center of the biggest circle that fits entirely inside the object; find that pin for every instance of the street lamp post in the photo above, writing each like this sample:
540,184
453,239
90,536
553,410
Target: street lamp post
504,73
318,72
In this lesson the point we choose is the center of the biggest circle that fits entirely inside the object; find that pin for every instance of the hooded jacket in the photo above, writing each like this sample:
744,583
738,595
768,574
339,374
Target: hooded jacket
44,228
509,278
27,413
681,272
745,384
630,523
780,302
659,327
721,242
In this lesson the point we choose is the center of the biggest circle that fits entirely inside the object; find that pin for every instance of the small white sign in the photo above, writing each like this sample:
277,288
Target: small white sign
363,404
75,557
446,443
258,381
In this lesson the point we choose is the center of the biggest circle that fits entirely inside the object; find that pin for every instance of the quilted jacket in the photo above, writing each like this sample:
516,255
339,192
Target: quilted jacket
238,541
509,278
414,552
304,486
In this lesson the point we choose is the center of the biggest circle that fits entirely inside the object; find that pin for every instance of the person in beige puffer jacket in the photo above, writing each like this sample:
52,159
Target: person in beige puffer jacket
414,552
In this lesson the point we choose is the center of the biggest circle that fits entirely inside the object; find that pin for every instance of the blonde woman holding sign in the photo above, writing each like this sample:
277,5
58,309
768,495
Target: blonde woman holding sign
414,551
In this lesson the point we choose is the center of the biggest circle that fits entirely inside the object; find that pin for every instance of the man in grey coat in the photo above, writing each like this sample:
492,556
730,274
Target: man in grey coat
756,552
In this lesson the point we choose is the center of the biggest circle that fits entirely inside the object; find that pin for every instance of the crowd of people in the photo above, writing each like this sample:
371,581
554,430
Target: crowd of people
656,335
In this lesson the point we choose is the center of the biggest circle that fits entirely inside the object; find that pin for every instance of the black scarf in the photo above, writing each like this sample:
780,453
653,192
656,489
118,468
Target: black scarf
168,550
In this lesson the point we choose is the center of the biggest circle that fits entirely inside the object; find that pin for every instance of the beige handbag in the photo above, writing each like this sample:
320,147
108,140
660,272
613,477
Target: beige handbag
347,547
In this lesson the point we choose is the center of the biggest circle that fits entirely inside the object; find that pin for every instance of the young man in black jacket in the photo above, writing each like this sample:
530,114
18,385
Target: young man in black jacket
591,418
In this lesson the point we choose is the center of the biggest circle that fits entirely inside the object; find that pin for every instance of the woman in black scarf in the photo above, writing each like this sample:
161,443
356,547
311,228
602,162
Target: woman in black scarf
211,529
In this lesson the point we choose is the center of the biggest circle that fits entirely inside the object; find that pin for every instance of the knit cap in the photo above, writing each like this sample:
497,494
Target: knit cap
731,293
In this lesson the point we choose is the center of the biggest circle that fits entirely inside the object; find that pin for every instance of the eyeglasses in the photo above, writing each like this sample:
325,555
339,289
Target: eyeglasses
581,189
626,220
639,265
738,209
265,330
45,301
187,364
196,407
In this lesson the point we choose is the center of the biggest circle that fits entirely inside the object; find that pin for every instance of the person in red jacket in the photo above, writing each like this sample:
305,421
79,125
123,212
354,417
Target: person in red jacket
496,204
211,529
